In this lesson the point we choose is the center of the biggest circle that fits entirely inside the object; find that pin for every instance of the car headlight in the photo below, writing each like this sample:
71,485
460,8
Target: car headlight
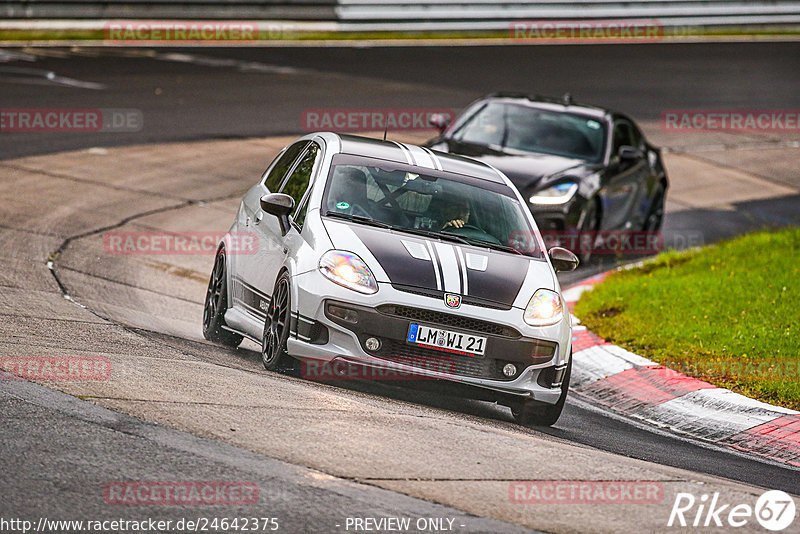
544,308
557,194
348,270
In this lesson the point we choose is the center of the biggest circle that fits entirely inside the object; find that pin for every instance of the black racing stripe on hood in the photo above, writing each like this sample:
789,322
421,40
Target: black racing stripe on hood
500,282
502,279
400,266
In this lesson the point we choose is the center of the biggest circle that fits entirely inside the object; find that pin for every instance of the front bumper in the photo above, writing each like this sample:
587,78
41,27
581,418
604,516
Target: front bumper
539,353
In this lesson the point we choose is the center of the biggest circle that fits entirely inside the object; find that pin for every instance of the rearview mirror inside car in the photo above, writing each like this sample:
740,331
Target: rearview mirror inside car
562,259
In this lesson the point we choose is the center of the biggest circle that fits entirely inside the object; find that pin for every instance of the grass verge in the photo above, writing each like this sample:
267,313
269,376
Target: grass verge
728,314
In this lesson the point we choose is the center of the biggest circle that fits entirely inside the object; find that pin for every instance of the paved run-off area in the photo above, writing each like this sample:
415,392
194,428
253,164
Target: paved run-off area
143,313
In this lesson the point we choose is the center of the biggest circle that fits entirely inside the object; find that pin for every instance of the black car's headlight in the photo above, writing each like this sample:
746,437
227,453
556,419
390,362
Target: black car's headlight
555,195
348,270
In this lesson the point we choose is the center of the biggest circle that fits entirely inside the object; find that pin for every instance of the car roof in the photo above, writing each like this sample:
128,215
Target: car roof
565,103
409,154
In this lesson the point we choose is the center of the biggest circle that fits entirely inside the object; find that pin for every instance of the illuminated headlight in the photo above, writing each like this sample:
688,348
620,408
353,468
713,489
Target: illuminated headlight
558,194
544,308
348,270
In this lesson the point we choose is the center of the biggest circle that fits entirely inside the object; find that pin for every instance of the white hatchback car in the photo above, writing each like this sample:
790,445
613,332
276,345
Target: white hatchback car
384,255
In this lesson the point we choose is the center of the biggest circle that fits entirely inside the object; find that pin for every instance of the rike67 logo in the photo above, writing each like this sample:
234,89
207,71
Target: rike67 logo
774,510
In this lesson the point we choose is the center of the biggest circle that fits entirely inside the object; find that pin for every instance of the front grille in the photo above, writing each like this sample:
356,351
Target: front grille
432,360
439,295
446,319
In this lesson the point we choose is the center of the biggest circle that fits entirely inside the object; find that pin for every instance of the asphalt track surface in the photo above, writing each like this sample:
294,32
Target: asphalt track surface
259,92
203,93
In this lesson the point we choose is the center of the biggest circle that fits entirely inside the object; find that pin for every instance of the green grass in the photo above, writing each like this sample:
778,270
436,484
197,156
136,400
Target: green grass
728,314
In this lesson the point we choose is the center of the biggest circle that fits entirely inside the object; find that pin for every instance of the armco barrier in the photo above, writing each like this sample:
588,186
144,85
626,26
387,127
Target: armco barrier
418,15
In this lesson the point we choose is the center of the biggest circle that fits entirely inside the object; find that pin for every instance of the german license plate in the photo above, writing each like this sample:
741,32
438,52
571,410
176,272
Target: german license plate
446,340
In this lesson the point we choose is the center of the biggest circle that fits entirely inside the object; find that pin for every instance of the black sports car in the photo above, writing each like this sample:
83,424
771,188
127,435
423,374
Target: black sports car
582,169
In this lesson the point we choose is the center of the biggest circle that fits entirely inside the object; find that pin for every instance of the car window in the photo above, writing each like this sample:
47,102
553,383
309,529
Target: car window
622,136
276,174
637,138
529,129
418,200
298,182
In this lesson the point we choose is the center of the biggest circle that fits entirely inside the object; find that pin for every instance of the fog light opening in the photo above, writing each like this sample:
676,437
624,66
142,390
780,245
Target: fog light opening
372,343
346,315
510,370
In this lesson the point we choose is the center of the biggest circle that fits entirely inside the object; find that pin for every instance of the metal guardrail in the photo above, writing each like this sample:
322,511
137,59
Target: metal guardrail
487,13
170,9
417,15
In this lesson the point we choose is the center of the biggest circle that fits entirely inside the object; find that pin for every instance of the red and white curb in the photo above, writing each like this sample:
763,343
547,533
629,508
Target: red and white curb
629,384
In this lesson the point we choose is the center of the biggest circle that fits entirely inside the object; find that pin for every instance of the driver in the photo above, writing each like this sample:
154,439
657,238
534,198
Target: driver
456,214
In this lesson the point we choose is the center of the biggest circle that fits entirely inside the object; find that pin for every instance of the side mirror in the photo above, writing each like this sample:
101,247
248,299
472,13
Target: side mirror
279,205
562,259
440,121
629,153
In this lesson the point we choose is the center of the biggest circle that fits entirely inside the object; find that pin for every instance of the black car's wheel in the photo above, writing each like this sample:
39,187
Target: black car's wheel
590,225
656,216
276,326
216,304
530,413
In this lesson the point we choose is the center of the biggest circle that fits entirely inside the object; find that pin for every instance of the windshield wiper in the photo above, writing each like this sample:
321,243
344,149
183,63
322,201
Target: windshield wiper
358,218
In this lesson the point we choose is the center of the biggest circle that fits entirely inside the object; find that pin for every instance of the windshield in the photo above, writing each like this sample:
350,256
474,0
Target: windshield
529,129
433,204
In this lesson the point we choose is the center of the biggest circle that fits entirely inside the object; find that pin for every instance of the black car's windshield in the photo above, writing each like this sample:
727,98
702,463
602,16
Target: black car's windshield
449,207
529,129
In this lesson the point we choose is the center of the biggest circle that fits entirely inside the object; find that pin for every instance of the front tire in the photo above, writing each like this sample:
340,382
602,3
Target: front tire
531,413
276,326
656,216
216,304
589,225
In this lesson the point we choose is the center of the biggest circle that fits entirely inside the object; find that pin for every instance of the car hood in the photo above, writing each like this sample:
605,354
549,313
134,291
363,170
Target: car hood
524,170
434,267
